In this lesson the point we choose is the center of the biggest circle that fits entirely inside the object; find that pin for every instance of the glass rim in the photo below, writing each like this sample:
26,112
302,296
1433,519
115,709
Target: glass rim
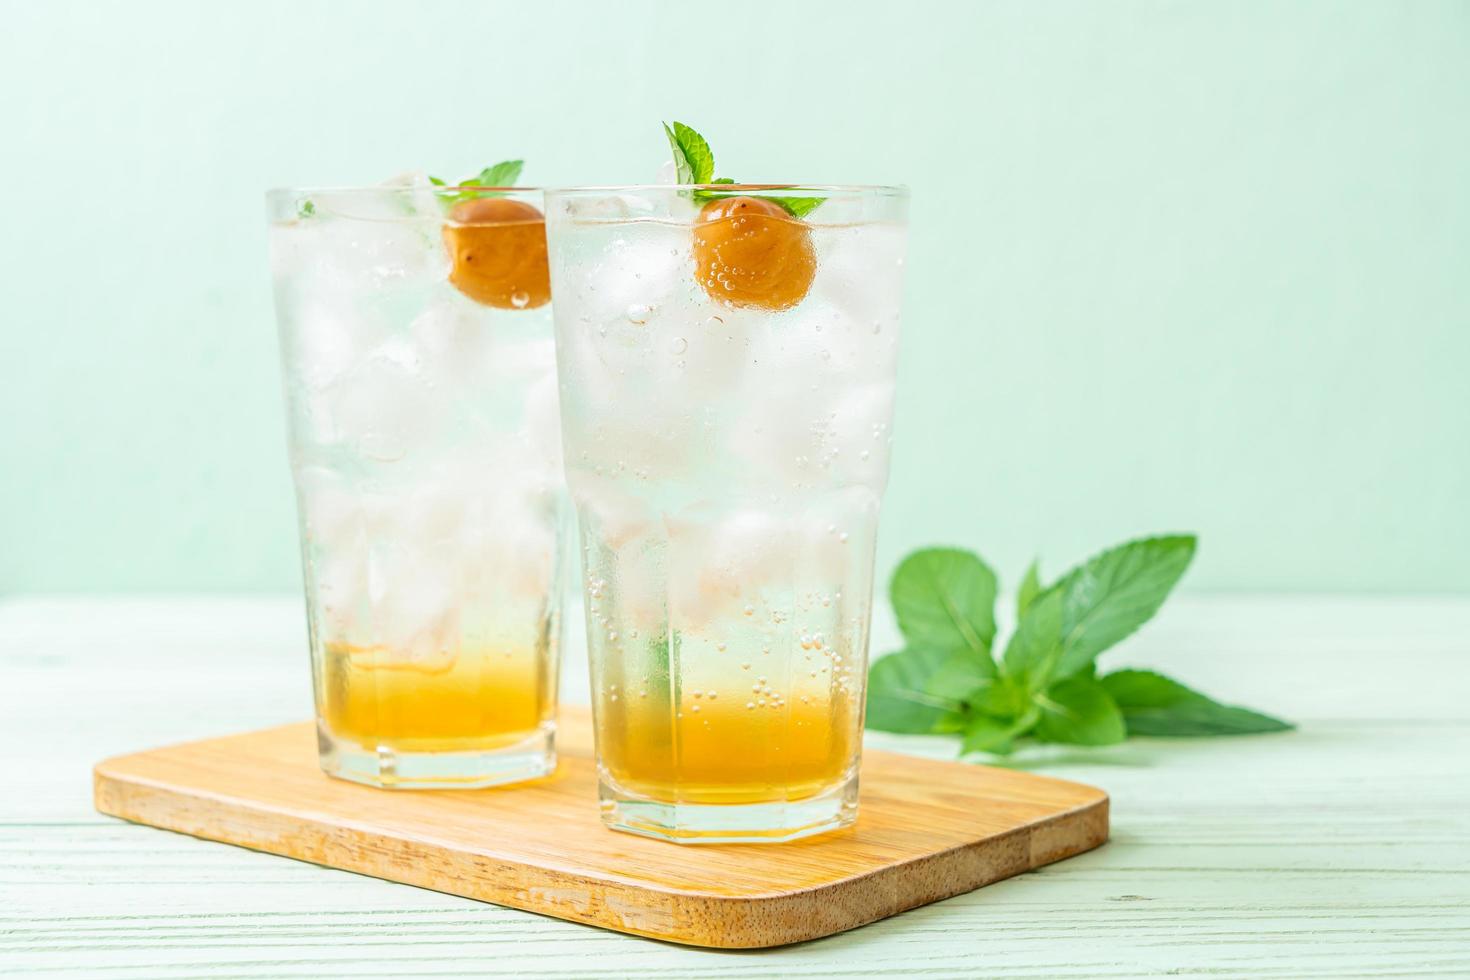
293,191
877,190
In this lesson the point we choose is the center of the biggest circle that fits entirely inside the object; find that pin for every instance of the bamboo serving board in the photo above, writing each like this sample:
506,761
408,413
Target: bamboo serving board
926,830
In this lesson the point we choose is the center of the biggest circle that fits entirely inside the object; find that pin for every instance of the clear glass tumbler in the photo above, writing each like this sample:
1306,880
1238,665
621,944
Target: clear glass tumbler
727,381
420,380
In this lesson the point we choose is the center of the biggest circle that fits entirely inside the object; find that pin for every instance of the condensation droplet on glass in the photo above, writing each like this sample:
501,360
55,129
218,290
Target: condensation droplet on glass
679,345
638,313
520,300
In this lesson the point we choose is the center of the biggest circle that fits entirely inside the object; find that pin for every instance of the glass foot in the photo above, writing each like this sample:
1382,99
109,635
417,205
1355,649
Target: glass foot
729,823
389,768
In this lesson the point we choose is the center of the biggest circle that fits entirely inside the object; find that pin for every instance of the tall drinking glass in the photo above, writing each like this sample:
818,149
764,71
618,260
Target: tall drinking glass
727,380
420,381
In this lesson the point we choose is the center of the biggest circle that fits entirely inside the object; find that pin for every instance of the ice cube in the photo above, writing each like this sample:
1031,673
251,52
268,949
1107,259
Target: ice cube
611,513
415,601
382,405
517,539
543,422
359,242
861,432
340,521
628,544
634,276
715,562
323,338
597,208
859,271
721,562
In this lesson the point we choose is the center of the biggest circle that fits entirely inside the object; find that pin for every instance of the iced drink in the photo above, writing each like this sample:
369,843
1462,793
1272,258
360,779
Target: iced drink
420,381
727,380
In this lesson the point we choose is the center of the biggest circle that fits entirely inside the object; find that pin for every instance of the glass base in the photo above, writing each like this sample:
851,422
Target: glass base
729,823
389,768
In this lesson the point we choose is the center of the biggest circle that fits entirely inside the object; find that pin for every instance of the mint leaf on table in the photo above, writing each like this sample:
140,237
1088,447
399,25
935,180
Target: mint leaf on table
1110,596
1079,711
961,677
1153,704
945,598
898,698
1046,686
1037,641
987,733
1030,589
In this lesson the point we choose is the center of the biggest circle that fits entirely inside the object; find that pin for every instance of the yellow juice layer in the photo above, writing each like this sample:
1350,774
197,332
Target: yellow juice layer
727,750
469,701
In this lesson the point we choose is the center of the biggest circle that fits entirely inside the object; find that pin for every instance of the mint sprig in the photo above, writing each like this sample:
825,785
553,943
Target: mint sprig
503,174
694,163
1045,687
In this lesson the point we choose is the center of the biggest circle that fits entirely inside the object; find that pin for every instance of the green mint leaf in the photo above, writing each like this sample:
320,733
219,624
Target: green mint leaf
1153,704
305,209
503,174
961,677
798,207
1079,711
697,154
683,170
722,180
662,661
984,734
898,699
1110,595
1001,698
1037,641
1030,589
997,735
945,598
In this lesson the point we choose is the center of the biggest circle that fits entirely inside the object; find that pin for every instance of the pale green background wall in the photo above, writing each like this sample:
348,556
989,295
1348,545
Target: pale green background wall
1174,265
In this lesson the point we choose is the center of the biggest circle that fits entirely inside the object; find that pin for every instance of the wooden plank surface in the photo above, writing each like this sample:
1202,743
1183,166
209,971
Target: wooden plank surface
1340,850
927,830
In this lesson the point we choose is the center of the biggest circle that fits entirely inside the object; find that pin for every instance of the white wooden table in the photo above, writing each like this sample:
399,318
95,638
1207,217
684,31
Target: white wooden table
1342,849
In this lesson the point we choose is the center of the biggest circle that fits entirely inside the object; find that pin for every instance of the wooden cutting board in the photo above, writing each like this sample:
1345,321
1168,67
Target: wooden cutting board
926,830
